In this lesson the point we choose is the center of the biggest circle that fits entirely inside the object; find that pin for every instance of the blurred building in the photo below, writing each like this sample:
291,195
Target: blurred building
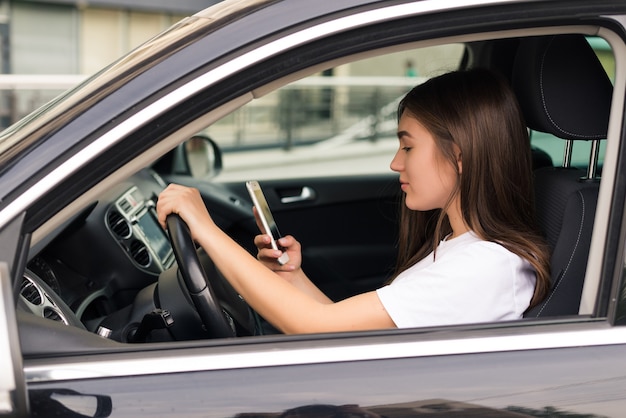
72,37
48,46
81,36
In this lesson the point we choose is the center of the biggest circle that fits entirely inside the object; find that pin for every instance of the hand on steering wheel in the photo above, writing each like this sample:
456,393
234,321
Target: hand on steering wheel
217,323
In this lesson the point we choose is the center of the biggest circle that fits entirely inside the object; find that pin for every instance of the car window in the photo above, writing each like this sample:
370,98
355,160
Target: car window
555,147
347,113
341,121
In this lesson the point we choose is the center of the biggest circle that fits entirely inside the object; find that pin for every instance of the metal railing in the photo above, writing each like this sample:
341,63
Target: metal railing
331,109
309,110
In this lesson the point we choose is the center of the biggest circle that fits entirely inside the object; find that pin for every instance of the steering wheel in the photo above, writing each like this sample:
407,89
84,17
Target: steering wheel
214,319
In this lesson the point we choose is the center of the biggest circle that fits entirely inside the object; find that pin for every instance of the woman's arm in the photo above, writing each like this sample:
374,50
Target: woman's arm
292,271
285,305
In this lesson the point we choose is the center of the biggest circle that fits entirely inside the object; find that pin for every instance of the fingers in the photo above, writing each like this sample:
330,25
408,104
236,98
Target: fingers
164,205
286,242
269,256
181,200
262,241
265,251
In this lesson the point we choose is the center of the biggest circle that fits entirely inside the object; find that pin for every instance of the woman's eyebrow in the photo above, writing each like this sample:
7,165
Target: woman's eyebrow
402,134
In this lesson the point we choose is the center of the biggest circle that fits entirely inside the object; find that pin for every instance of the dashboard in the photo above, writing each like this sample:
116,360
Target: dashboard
98,262
132,220
111,268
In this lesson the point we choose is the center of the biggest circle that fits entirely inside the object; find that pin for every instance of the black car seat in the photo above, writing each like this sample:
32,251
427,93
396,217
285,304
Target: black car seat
563,90
498,55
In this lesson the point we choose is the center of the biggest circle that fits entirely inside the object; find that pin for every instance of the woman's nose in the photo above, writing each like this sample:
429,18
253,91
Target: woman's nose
396,164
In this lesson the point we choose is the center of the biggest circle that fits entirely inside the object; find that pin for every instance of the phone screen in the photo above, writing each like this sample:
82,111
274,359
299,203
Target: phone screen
267,219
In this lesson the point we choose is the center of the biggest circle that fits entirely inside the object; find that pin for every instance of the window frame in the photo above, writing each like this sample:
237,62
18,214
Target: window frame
344,347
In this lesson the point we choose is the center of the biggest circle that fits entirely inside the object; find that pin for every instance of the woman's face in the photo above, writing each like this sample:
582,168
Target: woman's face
426,176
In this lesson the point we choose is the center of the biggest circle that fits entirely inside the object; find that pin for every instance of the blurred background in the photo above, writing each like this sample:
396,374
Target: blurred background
48,46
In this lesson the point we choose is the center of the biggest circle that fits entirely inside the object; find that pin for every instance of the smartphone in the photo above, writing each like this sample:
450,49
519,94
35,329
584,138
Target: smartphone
267,219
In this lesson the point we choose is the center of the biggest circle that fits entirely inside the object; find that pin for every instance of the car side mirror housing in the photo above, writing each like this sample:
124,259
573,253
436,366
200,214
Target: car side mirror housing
199,157
203,156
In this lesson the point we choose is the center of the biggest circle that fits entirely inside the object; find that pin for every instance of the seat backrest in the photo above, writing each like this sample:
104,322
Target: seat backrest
563,90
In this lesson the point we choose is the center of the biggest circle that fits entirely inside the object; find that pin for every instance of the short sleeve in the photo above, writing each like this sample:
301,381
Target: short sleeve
478,282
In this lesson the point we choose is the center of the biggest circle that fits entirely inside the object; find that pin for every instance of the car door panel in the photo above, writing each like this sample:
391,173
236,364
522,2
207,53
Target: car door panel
562,381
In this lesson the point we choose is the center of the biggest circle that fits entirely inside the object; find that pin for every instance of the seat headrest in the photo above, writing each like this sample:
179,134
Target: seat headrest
562,87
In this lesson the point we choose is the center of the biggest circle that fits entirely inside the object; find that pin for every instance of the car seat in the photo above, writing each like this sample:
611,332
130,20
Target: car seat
563,90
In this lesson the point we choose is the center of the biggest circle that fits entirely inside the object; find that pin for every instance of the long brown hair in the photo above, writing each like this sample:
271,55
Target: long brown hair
477,111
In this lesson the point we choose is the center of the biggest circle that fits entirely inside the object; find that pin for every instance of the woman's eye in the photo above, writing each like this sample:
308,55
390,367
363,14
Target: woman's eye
406,149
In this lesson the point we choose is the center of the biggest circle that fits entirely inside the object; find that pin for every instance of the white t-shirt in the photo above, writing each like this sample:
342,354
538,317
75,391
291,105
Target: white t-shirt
469,281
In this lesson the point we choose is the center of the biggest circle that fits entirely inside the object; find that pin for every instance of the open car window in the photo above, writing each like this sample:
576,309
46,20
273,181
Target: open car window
351,109
305,141
341,121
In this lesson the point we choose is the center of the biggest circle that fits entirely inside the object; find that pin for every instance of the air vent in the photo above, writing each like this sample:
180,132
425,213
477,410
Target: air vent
43,305
30,292
139,253
118,225
52,314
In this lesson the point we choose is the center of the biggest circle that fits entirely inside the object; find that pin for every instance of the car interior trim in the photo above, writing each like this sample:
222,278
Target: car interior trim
593,273
151,363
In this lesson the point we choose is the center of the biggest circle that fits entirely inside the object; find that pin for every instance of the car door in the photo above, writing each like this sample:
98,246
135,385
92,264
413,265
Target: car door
558,366
563,370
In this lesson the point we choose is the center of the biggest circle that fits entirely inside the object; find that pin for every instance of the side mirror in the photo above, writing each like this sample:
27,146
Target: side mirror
199,157
202,156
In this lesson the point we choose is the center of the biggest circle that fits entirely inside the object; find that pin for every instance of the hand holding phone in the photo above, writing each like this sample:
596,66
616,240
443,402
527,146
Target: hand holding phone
267,219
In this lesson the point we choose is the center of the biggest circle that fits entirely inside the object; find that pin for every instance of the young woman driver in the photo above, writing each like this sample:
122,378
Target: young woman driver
468,248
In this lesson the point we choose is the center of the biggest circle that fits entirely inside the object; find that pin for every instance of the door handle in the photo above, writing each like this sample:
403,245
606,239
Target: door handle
306,194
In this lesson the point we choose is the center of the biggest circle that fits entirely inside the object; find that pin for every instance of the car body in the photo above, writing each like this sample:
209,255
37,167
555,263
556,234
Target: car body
80,177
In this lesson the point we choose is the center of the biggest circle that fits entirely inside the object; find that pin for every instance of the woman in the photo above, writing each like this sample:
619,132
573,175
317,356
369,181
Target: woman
468,251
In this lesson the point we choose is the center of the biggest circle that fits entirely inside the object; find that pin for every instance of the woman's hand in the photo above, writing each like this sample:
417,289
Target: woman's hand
292,271
269,256
187,203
